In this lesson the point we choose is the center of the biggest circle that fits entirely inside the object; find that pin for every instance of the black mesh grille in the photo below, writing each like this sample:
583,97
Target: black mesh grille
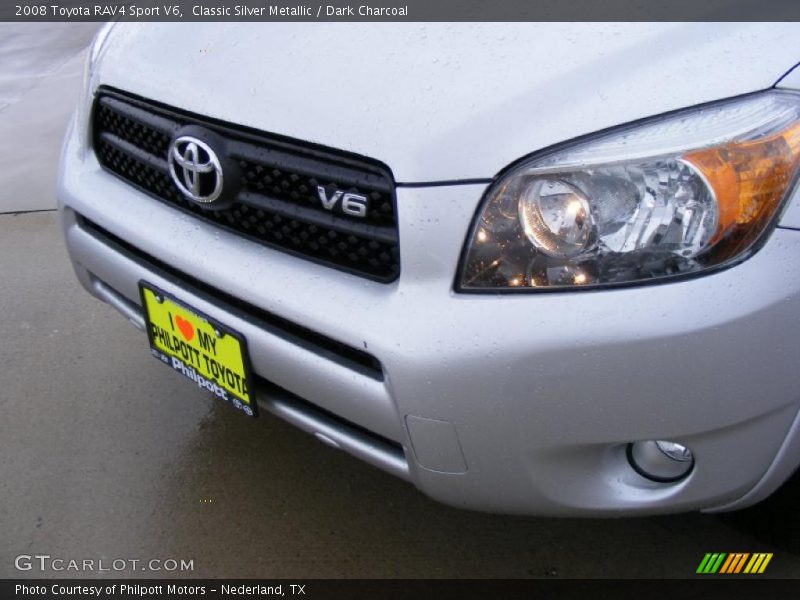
277,203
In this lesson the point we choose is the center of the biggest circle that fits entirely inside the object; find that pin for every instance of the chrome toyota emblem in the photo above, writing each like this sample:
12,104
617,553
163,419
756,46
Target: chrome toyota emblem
195,168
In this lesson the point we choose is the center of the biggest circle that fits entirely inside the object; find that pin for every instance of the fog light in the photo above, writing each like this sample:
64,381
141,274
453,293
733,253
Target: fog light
660,460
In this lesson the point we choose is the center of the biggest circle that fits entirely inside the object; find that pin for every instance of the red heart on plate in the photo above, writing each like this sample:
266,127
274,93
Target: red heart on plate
186,328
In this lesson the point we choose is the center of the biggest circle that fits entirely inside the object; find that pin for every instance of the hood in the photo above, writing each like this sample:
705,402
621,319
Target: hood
442,101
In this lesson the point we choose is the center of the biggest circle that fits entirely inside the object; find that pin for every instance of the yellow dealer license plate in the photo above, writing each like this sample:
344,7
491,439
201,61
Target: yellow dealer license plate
201,349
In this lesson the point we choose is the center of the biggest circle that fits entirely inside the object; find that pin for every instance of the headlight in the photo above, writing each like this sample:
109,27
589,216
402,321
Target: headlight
98,44
96,49
691,191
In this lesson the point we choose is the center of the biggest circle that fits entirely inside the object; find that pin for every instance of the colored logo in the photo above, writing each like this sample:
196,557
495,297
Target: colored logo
734,563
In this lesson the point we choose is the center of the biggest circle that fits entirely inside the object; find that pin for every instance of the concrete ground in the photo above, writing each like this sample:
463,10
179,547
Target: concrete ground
106,454
41,68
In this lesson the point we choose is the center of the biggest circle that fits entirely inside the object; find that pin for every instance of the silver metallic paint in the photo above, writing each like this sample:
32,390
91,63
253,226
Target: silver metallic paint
543,390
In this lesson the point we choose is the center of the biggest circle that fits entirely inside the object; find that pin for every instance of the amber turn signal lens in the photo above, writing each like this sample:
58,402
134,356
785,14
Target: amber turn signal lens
749,179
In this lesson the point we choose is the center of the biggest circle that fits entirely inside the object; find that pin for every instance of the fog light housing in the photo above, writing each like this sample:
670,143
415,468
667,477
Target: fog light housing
661,461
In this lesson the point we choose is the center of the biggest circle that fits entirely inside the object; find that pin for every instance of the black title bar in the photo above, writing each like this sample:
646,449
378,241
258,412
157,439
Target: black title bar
702,587
399,10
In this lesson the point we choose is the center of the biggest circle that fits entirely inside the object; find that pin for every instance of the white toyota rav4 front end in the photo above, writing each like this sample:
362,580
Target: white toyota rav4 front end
547,269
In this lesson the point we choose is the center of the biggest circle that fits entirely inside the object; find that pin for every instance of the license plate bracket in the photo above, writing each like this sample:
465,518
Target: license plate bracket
202,349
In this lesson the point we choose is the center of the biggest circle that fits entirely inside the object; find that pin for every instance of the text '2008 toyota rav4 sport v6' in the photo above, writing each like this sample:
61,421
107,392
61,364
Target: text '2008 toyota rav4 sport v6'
530,269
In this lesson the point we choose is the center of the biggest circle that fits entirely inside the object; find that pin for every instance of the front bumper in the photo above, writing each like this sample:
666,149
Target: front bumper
516,403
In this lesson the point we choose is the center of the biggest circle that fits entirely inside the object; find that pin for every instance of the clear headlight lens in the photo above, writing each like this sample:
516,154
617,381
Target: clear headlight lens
680,194
96,49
